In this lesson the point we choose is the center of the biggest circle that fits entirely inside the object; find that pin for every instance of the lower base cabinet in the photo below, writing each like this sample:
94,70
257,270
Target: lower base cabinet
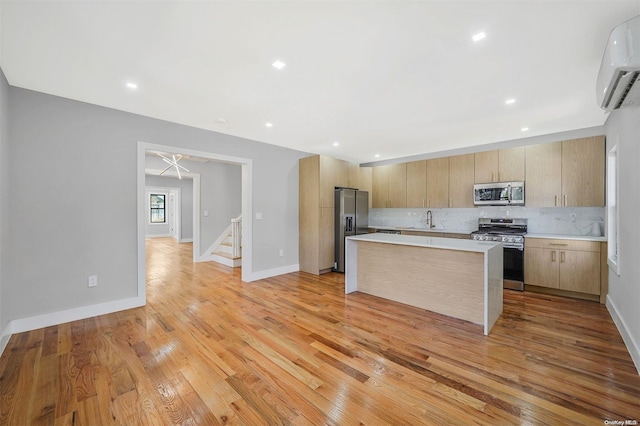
569,265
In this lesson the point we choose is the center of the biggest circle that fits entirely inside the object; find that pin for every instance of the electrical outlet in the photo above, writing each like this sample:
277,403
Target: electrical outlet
572,217
281,252
93,281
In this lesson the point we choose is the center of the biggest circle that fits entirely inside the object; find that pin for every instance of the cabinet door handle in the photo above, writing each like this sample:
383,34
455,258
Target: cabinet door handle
558,244
555,201
561,257
492,179
428,203
423,203
553,256
450,202
565,200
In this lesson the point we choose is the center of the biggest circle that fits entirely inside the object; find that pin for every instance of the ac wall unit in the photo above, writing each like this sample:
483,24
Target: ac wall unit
618,82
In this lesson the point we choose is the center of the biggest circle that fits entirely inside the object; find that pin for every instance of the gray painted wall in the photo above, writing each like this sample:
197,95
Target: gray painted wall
4,194
220,195
79,161
186,200
623,127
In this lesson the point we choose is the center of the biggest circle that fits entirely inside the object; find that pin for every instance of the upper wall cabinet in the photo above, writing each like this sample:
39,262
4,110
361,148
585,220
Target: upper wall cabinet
333,173
380,185
390,186
438,183
543,181
583,177
461,178
417,184
502,165
566,174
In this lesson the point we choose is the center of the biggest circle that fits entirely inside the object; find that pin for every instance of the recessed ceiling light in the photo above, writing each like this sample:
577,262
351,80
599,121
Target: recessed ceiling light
336,143
377,155
132,85
479,36
510,101
278,64
524,129
268,124
221,120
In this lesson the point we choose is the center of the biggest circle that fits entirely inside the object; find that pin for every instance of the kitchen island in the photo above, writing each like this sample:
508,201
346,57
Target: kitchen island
458,278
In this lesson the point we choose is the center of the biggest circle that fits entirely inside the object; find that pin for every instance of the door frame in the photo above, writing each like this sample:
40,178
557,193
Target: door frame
247,207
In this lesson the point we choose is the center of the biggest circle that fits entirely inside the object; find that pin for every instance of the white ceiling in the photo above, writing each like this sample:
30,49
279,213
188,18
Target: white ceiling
393,78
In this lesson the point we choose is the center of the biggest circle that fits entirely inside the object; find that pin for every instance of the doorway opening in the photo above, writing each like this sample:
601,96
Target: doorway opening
246,207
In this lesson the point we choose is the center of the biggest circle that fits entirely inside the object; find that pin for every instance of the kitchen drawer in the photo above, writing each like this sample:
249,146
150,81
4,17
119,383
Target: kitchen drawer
423,233
458,236
577,245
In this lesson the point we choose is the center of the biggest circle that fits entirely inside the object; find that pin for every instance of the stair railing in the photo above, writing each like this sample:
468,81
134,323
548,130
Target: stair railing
236,236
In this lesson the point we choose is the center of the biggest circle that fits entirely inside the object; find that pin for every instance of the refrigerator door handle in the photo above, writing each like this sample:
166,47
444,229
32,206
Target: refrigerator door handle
349,224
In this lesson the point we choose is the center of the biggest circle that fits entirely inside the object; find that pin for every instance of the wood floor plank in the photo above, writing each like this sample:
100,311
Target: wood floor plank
294,349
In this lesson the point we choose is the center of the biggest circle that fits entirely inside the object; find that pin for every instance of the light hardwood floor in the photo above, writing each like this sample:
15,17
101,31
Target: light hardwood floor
208,349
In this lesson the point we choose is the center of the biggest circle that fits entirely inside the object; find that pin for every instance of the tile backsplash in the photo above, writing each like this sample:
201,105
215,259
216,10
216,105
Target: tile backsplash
543,220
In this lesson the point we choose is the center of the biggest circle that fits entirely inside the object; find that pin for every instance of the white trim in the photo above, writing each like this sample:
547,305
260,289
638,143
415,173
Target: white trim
247,205
232,263
207,256
632,345
147,236
186,240
260,275
61,317
4,340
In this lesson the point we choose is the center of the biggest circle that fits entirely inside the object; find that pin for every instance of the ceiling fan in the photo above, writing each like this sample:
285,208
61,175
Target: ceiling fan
173,162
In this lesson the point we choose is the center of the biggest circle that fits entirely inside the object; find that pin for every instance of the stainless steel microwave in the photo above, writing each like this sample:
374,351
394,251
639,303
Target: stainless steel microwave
498,194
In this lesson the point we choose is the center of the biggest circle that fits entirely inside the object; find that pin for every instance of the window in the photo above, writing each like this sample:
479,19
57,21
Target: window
613,222
157,208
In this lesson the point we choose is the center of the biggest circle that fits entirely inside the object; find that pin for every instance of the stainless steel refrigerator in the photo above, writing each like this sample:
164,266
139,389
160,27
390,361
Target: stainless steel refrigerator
351,218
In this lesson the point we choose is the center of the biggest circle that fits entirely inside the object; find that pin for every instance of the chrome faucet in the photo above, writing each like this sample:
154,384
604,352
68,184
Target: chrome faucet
429,219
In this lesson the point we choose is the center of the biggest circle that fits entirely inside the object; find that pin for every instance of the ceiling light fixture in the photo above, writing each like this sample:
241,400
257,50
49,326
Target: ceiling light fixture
268,124
173,162
524,129
377,155
479,36
221,120
132,85
336,143
510,101
278,64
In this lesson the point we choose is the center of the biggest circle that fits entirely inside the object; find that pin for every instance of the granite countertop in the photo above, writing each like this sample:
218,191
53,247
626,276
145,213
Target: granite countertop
430,242
408,228
567,237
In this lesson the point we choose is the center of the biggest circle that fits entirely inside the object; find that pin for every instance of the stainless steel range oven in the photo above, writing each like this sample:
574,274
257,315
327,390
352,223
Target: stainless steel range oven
510,232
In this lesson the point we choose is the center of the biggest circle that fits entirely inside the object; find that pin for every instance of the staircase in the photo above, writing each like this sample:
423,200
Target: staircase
229,250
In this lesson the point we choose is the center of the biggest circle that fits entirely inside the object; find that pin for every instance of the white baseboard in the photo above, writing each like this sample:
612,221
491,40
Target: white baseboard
629,341
186,240
260,275
6,335
61,317
158,236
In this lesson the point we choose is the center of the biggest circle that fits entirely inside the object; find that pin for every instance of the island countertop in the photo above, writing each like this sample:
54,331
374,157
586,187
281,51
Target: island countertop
432,242
458,278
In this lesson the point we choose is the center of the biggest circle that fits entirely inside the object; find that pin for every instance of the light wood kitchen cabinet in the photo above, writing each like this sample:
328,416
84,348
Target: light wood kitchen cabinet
365,176
461,178
566,174
438,183
583,172
501,165
543,181
486,166
390,186
417,184
333,173
397,186
380,194
353,176
567,265
318,176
